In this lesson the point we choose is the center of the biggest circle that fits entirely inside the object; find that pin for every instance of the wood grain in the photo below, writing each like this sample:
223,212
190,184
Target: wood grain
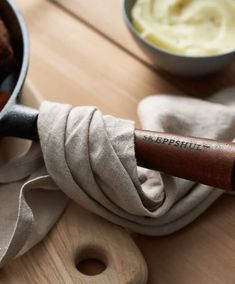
203,252
88,236
105,16
82,67
79,235
75,63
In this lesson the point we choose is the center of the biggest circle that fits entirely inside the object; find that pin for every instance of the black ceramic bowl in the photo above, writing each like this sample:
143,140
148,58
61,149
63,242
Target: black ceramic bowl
175,63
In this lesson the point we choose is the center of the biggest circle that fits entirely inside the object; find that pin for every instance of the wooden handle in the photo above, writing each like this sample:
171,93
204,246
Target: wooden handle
202,160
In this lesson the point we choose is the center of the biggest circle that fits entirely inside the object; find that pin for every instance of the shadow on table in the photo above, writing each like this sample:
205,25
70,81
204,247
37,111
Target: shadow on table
204,86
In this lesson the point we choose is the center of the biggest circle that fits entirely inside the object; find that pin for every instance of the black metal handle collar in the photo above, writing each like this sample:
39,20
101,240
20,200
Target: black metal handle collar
20,121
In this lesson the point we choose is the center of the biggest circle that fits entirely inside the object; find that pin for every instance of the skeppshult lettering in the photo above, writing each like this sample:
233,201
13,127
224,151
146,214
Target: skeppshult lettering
176,143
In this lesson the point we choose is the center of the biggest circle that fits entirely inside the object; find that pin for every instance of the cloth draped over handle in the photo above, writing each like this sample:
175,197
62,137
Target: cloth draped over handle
90,158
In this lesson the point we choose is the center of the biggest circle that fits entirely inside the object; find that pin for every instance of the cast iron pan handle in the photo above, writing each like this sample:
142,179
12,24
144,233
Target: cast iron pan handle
198,159
20,121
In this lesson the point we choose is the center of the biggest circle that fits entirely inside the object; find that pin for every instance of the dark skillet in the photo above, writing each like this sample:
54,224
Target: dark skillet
15,119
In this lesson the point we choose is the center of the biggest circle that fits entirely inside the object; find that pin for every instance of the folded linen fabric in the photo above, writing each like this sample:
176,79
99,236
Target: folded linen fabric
90,158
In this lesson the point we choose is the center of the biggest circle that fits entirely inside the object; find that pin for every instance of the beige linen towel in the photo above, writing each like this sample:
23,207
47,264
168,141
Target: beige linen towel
90,158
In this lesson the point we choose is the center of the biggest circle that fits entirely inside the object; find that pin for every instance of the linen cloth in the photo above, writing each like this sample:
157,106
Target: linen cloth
90,158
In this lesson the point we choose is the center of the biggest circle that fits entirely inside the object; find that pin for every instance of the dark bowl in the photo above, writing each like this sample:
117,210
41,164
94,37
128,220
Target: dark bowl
20,41
175,63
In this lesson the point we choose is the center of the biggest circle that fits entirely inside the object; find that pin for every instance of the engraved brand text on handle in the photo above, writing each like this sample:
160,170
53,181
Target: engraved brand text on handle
176,143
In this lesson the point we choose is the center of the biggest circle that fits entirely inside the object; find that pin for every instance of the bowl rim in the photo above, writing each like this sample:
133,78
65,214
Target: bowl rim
156,48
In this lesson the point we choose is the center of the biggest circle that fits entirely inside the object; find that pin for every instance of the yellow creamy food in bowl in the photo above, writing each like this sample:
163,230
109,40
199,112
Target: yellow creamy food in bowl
187,27
183,37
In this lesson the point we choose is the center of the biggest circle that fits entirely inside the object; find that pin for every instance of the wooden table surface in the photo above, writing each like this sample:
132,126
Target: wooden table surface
82,54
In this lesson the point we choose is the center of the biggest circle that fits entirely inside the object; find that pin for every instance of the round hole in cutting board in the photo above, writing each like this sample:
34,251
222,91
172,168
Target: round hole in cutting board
91,261
91,266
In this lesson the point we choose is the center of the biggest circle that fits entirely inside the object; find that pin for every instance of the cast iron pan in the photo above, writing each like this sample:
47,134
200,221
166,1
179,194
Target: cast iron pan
15,119
202,160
